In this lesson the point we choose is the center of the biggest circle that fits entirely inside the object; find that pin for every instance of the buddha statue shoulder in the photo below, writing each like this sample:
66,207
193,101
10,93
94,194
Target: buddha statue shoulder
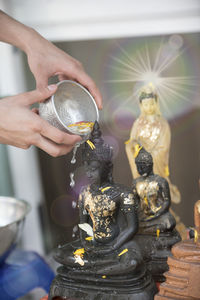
105,260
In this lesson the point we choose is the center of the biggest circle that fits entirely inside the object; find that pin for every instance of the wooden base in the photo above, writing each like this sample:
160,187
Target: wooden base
183,277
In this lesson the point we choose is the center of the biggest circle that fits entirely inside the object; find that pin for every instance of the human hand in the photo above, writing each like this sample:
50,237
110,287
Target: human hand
46,60
22,127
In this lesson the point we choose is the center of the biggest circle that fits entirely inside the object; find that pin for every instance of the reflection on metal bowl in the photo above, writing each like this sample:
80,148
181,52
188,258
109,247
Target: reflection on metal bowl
71,109
12,216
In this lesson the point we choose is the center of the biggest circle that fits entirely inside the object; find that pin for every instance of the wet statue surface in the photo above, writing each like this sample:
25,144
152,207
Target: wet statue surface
106,262
157,233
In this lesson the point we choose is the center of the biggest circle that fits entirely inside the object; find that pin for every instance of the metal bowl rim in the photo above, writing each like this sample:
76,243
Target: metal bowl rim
27,206
83,88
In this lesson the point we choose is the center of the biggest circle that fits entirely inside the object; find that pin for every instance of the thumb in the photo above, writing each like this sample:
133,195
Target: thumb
39,95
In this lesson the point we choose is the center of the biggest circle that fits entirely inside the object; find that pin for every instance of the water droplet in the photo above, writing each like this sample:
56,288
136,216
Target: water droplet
72,182
73,161
75,229
74,204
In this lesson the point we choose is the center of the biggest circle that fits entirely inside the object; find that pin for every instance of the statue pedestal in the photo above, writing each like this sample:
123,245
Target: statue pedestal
156,250
182,279
70,283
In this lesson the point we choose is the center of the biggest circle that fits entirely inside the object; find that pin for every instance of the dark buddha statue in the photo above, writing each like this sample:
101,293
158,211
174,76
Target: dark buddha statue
106,262
157,233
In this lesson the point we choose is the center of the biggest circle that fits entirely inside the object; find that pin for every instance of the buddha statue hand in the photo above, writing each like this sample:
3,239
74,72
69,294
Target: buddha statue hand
99,250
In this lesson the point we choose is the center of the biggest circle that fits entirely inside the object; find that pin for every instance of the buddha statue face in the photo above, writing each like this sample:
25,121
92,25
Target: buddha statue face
97,158
148,101
144,169
144,163
148,106
96,171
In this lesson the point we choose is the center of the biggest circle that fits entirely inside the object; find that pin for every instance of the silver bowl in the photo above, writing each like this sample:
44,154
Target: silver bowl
70,104
12,216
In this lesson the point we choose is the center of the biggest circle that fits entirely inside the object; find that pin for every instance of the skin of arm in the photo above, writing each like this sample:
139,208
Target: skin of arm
44,58
21,127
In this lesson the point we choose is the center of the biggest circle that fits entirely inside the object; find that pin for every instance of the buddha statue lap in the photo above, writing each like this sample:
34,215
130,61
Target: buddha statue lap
157,233
106,262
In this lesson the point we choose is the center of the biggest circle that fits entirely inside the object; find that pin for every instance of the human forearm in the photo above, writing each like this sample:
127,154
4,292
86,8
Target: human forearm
16,33
44,58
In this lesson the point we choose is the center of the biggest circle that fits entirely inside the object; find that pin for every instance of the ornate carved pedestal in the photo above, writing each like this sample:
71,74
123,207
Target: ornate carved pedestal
156,250
68,284
183,277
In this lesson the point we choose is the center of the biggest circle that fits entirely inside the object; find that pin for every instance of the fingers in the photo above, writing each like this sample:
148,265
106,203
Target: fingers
32,97
87,82
35,110
58,136
51,148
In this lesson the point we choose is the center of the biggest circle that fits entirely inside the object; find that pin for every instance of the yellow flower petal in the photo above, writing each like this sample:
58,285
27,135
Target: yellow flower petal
127,142
92,146
137,149
195,235
124,251
89,238
167,171
105,189
79,251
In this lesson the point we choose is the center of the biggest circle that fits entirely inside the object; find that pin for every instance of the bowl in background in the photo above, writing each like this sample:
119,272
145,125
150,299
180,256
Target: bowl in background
12,215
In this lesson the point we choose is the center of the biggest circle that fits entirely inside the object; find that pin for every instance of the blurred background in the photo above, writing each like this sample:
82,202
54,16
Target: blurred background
106,36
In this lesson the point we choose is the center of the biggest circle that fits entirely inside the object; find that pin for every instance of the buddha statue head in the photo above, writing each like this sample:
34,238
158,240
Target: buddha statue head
97,158
144,162
149,101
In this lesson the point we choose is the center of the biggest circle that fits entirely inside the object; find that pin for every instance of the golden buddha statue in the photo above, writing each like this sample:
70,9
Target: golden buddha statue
152,131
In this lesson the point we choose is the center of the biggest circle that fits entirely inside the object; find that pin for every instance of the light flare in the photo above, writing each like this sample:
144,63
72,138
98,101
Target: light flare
141,69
